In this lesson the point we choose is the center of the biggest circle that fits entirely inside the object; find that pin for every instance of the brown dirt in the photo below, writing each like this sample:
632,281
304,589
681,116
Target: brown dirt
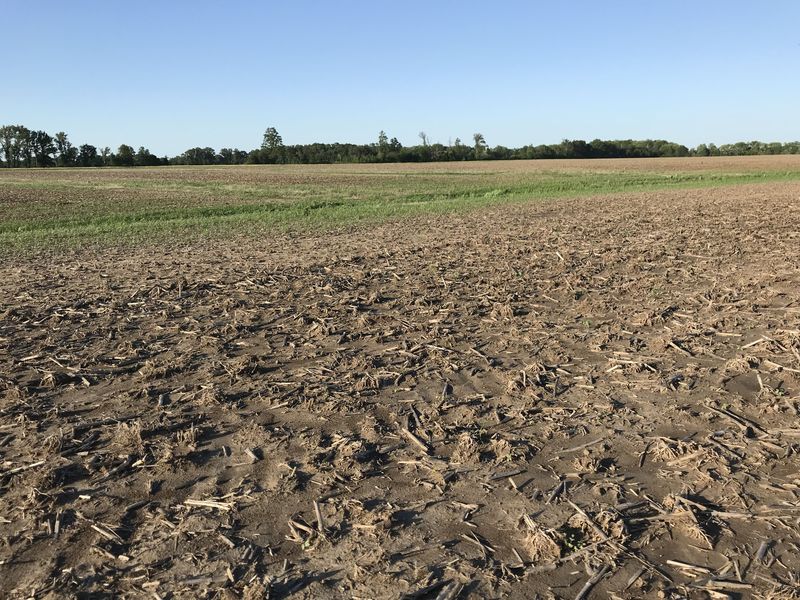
291,174
502,403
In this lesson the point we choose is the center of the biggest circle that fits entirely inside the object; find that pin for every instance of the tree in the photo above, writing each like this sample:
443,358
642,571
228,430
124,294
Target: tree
21,147
61,142
499,153
6,144
43,148
272,139
225,156
575,149
124,157
25,146
774,148
16,145
15,141
480,144
459,151
272,149
145,158
66,152
438,151
198,156
230,156
383,145
87,155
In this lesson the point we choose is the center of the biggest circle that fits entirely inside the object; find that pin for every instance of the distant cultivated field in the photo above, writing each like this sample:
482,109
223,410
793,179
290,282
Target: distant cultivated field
338,382
40,207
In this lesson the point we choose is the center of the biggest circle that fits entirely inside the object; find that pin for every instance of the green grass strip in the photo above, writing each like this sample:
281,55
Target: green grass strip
235,208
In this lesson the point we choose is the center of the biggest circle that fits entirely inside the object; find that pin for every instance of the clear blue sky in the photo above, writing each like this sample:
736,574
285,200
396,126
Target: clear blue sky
173,74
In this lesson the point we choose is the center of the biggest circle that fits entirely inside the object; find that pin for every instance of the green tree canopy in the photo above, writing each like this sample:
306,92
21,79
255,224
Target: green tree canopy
43,148
87,156
272,139
124,157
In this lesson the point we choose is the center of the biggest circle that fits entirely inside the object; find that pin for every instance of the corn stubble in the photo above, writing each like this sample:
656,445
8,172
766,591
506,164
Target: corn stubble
569,399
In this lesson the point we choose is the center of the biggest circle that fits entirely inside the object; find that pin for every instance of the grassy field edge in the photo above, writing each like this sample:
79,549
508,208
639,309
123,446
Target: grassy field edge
332,211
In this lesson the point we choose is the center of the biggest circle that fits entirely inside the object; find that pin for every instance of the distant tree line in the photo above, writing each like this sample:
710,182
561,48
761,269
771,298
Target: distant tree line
23,147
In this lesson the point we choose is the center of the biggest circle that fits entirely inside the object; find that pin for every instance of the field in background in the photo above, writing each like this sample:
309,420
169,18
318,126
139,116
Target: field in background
261,382
40,207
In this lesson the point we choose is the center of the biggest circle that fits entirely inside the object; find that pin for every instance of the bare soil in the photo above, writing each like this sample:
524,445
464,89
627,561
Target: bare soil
594,397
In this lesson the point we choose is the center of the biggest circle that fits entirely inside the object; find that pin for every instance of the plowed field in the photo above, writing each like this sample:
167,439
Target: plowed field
585,395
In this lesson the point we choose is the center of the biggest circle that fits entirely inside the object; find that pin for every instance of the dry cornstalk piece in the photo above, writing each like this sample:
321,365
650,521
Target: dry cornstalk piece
23,468
688,566
763,548
118,469
419,443
560,488
581,447
595,527
760,340
106,533
473,539
136,506
302,526
643,455
506,474
224,506
450,592
780,367
593,581
633,578
724,584
743,422
672,344
318,514
57,524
